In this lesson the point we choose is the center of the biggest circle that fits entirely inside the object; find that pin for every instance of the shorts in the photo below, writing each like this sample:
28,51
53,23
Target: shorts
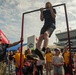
48,66
50,29
58,70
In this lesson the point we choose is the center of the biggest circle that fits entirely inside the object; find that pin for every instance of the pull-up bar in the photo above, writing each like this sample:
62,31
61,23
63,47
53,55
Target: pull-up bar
43,8
22,32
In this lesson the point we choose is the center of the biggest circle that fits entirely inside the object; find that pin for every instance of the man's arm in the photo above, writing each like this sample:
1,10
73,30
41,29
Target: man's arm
15,43
52,12
41,14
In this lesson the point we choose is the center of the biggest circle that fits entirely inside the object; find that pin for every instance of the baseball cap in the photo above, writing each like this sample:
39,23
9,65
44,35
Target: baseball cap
57,49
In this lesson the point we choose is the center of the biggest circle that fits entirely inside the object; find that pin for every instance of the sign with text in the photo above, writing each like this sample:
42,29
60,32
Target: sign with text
31,42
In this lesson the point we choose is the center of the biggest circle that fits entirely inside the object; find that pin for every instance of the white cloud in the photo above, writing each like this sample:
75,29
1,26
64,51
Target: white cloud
1,22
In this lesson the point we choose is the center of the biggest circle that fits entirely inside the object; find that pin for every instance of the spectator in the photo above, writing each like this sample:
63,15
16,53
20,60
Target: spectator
11,60
3,54
17,60
74,60
30,60
48,59
39,66
66,56
58,63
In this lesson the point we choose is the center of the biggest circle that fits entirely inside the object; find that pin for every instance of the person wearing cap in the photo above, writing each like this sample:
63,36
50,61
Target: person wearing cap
58,62
3,47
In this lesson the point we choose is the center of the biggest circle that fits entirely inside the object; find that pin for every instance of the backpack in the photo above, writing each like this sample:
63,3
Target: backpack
2,51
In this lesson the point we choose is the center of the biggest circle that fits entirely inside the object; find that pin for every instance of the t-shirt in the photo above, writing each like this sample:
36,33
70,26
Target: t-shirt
49,20
66,56
3,51
40,62
48,57
57,59
17,59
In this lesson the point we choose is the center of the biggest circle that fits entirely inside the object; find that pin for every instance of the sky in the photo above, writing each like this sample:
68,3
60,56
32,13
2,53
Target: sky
11,18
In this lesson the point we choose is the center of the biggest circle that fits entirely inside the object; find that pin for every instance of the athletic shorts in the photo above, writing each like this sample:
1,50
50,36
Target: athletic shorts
50,29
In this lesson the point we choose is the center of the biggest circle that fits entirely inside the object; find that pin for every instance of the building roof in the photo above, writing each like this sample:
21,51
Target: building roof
63,35
63,39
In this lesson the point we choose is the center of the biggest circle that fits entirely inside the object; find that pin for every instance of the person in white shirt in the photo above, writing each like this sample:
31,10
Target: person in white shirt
39,66
58,63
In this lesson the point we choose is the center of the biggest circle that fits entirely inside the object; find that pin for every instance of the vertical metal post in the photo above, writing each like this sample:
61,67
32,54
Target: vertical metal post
68,38
22,32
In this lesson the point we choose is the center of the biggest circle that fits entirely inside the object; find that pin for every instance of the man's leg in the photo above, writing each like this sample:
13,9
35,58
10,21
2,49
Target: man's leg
37,51
38,45
47,34
46,40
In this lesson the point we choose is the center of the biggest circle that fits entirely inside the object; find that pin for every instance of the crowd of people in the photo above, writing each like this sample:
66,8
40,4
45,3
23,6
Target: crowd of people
57,63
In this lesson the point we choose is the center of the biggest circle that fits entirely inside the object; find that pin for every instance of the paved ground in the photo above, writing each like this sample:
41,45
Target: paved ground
10,71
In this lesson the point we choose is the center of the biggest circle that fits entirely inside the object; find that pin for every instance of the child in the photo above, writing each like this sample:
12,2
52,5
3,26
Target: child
48,59
58,63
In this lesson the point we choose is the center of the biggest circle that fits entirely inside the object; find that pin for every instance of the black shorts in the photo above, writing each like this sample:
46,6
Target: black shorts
50,29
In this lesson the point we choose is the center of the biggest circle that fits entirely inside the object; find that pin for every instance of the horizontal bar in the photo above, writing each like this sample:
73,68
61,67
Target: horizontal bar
59,5
43,8
33,11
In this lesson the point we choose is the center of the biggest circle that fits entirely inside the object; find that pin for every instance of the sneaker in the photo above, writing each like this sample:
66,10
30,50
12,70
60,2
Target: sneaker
43,49
39,54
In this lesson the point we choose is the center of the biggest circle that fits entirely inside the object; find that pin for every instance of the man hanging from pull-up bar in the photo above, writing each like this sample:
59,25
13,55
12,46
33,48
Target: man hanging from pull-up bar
48,16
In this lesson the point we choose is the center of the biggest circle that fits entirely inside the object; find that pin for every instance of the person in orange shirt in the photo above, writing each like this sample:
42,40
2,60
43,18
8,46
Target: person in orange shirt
66,56
48,59
17,60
